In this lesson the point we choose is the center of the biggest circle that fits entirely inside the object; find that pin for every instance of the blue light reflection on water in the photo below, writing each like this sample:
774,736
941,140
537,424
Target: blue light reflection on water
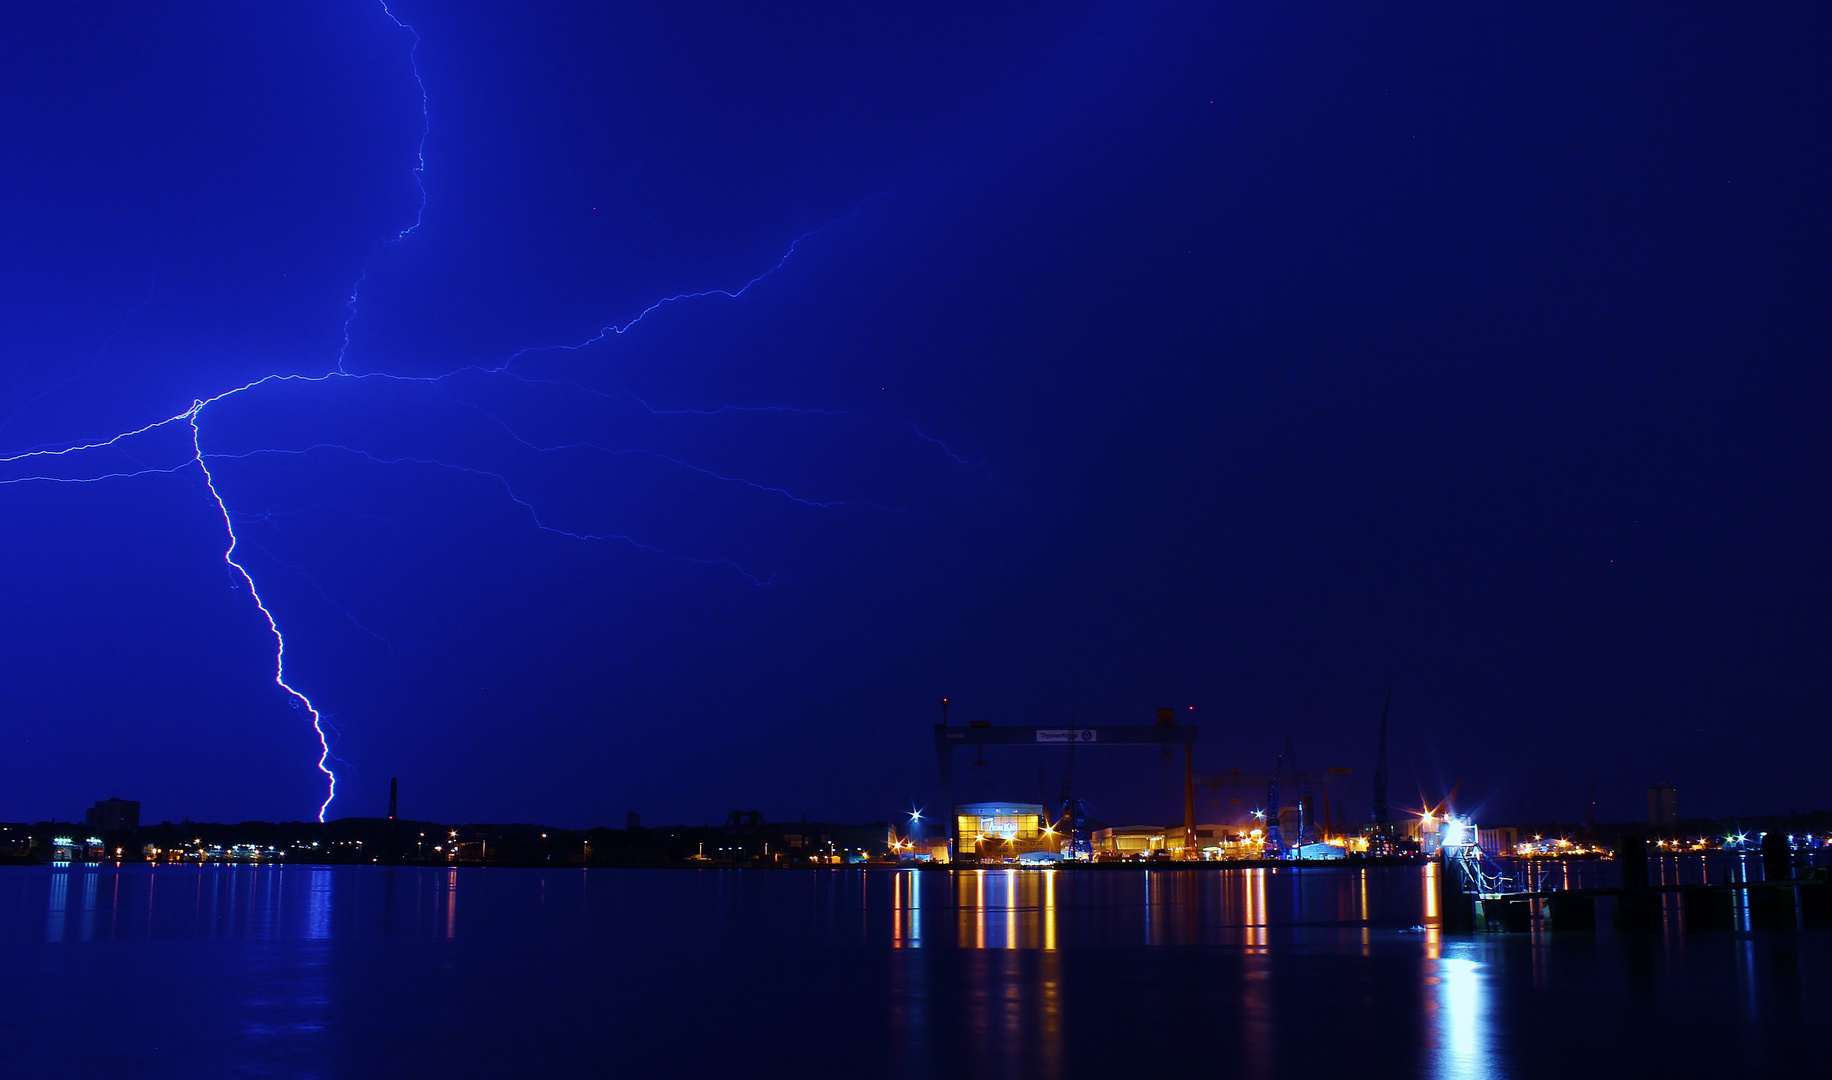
1463,1049
301,970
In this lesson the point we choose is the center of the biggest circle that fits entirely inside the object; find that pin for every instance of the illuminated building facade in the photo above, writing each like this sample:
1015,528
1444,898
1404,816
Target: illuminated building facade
1001,830
1212,841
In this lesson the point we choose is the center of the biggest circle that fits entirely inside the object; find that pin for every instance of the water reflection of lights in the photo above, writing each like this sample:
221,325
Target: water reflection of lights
1011,909
906,911
1006,922
318,906
1256,909
1051,1050
55,913
1146,911
1463,1039
1049,910
1746,977
997,909
87,930
1261,1050
1367,938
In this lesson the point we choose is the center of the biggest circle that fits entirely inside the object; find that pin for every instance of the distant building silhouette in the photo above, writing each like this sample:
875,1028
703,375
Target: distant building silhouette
15,839
1663,806
113,815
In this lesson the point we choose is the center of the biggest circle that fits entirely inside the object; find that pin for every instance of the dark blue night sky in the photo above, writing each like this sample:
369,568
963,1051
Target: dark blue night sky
1251,358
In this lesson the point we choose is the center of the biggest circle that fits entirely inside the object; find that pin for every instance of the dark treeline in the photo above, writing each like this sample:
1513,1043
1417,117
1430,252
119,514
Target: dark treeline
1817,822
744,839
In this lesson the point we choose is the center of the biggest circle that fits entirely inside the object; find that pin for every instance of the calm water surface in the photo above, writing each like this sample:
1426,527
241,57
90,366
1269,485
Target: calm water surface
303,971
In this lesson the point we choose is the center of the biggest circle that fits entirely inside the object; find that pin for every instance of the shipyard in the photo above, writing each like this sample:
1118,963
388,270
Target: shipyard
1281,817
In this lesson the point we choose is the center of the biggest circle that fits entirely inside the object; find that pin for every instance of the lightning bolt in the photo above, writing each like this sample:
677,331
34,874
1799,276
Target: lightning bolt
419,179
66,464
297,697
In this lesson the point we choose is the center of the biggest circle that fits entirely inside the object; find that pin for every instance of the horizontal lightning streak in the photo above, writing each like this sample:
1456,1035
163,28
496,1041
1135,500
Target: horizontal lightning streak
42,479
43,452
730,294
948,450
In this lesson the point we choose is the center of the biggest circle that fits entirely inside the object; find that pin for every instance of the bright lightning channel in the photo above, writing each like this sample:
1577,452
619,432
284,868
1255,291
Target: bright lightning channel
298,698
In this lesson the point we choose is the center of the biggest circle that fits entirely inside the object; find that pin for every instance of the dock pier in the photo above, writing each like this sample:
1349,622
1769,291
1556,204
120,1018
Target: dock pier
1781,901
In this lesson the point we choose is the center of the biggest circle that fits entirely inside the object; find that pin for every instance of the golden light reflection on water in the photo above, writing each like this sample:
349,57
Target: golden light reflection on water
1367,938
1051,998
993,909
1011,909
997,978
450,917
1007,909
1049,909
1007,921
1257,922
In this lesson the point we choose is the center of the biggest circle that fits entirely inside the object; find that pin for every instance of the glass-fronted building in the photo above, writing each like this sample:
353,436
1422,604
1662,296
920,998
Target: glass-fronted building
1000,830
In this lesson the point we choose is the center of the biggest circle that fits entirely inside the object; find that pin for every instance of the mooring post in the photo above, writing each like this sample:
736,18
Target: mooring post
1777,857
1771,904
1507,916
1456,908
1636,907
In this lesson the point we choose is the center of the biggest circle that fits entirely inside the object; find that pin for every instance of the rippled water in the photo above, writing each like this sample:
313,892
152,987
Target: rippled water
407,972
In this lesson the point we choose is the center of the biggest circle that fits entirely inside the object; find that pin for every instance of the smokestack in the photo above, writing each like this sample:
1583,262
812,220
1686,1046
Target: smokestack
394,795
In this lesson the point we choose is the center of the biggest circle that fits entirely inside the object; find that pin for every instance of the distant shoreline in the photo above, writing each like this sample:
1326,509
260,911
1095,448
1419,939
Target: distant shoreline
510,864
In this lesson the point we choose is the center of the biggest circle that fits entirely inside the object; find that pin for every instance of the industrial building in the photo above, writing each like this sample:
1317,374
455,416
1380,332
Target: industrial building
1166,734
1146,841
1137,839
1283,813
1002,830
